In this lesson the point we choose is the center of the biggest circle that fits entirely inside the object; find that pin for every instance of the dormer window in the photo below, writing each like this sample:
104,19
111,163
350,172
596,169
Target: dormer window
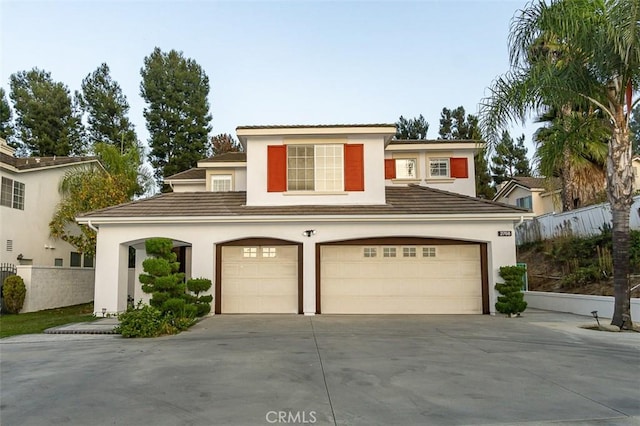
221,183
315,168
439,167
324,168
406,168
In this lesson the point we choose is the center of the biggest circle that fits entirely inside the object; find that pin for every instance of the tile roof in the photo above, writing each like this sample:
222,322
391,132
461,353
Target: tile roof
537,182
28,163
231,157
434,141
315,126
194,173
408,200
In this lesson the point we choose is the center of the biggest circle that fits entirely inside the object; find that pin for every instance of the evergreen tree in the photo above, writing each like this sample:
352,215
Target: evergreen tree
224,143
454,125
177,113
414,128
6,127
510,159
47,118
634,128
106,108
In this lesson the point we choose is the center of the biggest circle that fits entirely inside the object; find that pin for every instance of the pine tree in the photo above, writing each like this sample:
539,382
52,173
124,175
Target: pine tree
6,127
47,118
414,128
510,159
106,108
177,113
454,125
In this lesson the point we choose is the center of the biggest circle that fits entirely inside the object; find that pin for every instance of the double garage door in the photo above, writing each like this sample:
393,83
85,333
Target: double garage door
355,279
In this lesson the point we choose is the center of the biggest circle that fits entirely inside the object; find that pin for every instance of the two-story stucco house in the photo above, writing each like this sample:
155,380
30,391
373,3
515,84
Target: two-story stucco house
27,203
335,219
539,195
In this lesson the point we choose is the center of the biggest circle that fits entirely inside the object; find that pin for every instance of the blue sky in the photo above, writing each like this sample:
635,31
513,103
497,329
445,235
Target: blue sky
269,62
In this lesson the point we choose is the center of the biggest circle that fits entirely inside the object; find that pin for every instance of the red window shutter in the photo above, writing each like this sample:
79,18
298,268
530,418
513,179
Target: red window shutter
459,167
390,168
276,168
354,167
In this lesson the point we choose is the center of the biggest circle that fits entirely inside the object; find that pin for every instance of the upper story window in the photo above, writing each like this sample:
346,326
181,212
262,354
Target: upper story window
525,202
315,168
12,194
439,167
221,183
406,168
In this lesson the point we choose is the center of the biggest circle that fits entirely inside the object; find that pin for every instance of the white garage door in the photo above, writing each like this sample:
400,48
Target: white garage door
259,279
444,279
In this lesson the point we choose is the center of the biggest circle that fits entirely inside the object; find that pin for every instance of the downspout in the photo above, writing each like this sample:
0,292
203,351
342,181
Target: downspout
90,225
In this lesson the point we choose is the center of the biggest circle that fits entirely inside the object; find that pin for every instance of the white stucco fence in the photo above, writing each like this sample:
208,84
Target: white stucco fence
55,287
577,303
585,221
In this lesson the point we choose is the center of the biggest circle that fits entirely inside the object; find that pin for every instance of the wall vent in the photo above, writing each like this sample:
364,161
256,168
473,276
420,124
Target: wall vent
9,245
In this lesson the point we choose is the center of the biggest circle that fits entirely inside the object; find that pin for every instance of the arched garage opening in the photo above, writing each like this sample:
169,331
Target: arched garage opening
402,275
258,275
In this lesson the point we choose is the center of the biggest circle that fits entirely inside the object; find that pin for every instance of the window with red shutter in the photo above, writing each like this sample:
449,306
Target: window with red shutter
390,168
276,168
459,167
354,167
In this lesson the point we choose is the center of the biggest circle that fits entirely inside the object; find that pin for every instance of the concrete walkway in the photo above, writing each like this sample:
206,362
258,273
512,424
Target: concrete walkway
541,369
100,326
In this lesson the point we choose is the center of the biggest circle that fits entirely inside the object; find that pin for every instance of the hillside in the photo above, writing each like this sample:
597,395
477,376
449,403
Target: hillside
576,265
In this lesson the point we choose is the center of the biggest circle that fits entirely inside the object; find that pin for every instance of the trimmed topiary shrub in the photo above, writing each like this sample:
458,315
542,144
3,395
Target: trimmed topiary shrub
161,278
13,293
202,303
512,300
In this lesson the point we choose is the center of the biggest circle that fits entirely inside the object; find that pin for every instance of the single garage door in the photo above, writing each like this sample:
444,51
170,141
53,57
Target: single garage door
259,279
412,279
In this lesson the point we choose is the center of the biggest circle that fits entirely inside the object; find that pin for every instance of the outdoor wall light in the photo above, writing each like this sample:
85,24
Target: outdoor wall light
595,315
104,311
309,232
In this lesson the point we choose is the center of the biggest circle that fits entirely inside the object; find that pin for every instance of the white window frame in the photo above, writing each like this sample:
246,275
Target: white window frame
12,193
441,167
402,170
410,252
370,252
225,180
269,252
250,252
429,251
324,172
389,252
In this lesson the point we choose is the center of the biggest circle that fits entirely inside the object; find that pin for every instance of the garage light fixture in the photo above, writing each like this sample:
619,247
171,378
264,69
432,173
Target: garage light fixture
595,315
309,232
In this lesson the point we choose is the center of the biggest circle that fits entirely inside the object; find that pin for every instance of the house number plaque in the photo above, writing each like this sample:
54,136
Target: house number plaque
504,233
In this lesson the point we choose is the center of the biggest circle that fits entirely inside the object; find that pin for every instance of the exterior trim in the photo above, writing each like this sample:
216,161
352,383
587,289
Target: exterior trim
484,268
255,242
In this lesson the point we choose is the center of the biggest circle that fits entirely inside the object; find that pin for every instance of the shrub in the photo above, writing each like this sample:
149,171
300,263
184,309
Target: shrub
13,293
142,321
202,303
512,300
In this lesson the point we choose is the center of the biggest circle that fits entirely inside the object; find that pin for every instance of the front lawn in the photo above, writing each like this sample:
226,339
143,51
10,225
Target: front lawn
37,322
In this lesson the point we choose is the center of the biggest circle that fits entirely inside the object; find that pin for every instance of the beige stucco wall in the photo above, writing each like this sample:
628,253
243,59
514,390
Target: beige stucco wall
112,250
54,287
257,194
636,170
29,228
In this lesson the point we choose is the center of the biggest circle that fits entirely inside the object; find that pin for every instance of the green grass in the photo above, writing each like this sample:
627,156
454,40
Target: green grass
37,322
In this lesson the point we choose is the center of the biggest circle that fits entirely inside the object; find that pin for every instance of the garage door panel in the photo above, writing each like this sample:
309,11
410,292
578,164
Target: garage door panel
266,283
450,282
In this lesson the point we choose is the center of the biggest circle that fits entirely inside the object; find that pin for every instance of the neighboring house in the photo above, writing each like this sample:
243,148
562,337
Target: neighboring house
321,219
539,195
28,200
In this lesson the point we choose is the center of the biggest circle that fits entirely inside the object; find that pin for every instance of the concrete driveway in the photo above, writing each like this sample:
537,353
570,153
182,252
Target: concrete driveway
324,370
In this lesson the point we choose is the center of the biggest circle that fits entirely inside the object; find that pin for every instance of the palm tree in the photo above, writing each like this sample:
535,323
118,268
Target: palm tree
600,63
574,148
